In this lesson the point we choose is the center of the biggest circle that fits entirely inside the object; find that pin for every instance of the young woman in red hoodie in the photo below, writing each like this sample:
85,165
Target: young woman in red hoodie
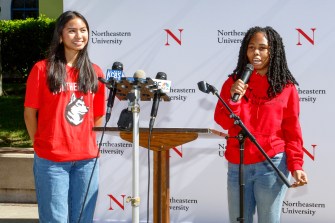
269,107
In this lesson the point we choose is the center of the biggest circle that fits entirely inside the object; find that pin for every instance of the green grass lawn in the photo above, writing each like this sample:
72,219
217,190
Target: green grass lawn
13,131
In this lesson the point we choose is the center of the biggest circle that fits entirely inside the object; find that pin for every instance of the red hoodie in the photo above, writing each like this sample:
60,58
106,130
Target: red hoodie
273,122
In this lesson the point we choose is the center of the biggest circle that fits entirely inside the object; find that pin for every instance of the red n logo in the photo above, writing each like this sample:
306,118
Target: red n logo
178,152
112,198
312,156
169,33
302,33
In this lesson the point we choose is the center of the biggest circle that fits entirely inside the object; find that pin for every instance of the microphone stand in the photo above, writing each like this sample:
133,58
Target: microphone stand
243,134
134,91
135,200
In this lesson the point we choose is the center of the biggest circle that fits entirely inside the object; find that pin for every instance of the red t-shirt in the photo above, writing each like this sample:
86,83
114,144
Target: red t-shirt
273,122
66,118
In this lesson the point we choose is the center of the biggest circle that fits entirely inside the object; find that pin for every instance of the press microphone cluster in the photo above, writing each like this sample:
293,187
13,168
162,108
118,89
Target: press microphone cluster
159,86
125,121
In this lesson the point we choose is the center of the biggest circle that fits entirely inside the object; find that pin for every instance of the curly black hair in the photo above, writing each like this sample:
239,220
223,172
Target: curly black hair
278,73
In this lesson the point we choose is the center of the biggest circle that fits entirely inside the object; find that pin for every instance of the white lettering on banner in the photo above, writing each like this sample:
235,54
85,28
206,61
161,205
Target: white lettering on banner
69,86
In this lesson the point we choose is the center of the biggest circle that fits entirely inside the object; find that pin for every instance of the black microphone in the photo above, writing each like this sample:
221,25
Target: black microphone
206,88
155,104
118,67
245,78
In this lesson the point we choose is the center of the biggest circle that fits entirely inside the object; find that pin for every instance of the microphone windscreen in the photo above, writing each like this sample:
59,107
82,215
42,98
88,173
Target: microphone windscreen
161,76
203,86
117,66
140,74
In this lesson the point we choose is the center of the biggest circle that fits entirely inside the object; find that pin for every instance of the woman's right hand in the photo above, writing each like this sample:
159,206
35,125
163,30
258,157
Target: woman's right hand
238,87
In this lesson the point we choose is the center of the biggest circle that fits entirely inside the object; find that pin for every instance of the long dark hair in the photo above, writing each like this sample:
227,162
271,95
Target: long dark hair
278,73
56,69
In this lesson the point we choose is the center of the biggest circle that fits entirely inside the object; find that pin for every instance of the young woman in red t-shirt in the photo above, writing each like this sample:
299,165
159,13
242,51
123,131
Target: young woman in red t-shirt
63,102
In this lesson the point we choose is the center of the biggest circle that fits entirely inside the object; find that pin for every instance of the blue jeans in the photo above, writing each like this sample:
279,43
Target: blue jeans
263,189
61,188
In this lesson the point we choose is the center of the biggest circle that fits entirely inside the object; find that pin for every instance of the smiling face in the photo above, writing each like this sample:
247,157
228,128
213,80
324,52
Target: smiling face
74,37
258,53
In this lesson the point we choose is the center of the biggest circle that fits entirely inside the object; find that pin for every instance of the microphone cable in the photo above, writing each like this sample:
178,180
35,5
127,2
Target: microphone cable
107,116
149,172
94,166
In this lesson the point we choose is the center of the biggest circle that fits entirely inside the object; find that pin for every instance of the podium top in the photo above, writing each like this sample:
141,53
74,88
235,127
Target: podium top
177,130
163,139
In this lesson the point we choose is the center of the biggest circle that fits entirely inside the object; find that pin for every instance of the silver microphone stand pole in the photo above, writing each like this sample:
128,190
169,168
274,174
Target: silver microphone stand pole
135,200
134,90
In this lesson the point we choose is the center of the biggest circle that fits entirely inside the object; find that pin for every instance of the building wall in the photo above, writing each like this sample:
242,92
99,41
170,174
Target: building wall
49,8
5,9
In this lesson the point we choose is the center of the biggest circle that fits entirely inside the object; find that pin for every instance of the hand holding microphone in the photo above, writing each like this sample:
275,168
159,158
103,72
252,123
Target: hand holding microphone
237,90
240,86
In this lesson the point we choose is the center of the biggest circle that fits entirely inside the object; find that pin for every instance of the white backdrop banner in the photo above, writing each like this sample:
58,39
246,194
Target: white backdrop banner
193,41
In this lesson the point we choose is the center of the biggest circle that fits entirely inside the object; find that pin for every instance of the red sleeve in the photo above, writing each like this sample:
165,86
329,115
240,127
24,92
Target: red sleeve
292,131
35,78
221,114
99,104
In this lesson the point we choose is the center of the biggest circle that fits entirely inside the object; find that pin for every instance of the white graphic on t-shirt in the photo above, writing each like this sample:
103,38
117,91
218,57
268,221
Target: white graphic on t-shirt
75,110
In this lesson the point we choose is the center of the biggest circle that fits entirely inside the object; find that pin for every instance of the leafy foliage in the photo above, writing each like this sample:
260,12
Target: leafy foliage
24,42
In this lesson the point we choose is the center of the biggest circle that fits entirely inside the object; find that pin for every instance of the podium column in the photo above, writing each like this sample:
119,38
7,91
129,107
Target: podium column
161,186
162,140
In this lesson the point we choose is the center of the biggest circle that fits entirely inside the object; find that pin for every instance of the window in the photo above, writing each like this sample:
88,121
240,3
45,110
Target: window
22,9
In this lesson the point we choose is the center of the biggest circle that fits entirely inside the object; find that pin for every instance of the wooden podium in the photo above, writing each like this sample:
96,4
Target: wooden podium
163,139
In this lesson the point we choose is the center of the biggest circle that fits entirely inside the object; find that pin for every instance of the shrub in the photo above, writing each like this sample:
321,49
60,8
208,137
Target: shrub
23,43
